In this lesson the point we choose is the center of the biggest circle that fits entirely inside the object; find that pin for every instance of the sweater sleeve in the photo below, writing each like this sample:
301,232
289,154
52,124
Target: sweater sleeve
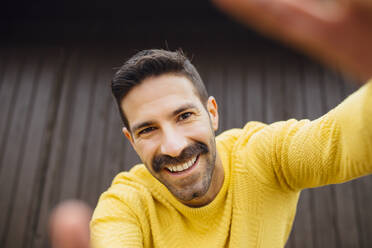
114,224
332,149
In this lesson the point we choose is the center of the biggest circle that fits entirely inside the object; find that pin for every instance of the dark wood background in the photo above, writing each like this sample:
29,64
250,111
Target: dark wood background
60,132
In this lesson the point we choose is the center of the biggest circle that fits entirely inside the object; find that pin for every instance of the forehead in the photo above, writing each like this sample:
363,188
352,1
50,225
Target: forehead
158,95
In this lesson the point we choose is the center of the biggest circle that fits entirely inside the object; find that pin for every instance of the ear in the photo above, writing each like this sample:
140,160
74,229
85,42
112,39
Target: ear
213,112
127,134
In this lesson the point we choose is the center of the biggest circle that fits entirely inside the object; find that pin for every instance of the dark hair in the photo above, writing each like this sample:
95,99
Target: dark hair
149,63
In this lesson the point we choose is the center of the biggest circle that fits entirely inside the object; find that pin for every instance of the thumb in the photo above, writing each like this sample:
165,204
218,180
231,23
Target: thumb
69,225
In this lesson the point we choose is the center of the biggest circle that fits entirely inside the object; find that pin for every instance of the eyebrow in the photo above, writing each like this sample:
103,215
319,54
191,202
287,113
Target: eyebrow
183,108
176,112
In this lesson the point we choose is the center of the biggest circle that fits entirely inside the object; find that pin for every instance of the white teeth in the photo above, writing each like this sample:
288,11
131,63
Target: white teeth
182,167
188,164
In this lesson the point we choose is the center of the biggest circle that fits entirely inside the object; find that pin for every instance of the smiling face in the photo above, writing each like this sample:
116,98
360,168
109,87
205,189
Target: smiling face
173,134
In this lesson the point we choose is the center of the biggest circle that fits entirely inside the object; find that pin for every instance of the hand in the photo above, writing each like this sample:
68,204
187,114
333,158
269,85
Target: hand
339,32
69,225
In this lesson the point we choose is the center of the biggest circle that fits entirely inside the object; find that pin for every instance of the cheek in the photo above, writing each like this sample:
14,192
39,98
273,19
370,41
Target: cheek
200,131
146,151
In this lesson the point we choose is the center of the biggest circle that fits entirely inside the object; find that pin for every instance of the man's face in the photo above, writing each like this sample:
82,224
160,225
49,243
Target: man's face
173,133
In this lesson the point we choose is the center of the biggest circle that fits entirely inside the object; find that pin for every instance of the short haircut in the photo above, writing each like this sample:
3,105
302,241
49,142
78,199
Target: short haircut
154,62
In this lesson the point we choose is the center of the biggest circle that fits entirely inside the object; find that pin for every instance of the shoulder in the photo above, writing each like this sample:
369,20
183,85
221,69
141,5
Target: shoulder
134,181
239,136
128,189
260,135
235,142
235,145
120,211
259,151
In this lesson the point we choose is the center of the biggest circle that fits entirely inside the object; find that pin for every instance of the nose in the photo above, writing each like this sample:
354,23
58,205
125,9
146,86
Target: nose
173,142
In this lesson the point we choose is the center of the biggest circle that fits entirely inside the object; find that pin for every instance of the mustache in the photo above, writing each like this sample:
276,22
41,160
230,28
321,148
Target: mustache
160,161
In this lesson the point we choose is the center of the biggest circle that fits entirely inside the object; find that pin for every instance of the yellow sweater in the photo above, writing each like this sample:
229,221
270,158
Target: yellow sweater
266,166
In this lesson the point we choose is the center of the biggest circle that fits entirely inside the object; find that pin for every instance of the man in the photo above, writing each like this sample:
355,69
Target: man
244,185
240,189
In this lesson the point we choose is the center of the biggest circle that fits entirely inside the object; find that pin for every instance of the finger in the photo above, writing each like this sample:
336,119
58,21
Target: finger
362,8
362,4
69,225
329,35
291,20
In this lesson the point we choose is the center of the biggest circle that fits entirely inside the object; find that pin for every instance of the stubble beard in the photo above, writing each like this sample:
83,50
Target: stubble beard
189,192
192,190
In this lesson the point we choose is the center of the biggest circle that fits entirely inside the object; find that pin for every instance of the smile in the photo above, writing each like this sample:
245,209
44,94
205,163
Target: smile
183,166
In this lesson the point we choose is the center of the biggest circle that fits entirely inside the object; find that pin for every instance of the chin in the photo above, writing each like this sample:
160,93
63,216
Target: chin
193,194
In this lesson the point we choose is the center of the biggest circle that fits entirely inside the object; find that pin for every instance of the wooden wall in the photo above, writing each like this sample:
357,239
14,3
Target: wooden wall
60,133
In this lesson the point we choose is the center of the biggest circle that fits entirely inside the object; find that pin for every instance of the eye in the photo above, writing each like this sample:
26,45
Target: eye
184,116
146,130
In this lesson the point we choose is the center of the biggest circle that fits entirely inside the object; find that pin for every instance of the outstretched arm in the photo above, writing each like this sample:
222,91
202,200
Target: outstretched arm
338,146
335,148
337,31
